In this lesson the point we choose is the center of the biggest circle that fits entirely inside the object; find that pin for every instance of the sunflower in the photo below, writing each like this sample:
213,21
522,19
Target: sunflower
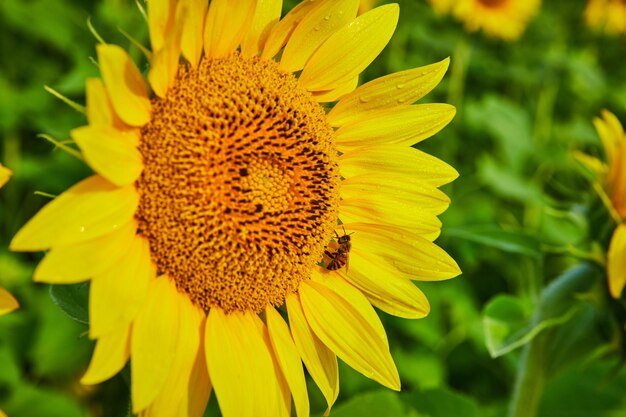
609,15
209,230
613,183
5,175
504,19
8,303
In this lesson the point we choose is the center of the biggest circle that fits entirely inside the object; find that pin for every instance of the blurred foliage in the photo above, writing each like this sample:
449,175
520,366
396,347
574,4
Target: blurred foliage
524,224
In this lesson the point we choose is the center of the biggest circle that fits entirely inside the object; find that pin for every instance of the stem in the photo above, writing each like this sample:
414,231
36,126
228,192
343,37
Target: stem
460,62
530,379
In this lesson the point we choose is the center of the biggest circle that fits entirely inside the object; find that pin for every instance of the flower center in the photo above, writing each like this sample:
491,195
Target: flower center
492,3
240,188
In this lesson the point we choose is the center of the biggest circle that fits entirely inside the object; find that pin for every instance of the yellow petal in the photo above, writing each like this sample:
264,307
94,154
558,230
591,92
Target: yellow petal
109,153
590,162
284,394
289,360
395,213
314,29
616,263
154,342
281,31
91,208
173,396
347,332
239,361
266,14
320,361
337,93
353,296
124,84
5,175
198,396
226,24
8,303
160,21
385,287
403,126
407,251
118,294
99,107
109,357
411,163
350,50
84,260
396,188
400,88
193,31
164,65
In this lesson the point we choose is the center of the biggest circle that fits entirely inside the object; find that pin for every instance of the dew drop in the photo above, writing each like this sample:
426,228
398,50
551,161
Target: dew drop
316,28
400,86
363,99
327,17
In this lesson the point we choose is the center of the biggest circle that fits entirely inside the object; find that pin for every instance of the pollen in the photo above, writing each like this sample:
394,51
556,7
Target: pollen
240,189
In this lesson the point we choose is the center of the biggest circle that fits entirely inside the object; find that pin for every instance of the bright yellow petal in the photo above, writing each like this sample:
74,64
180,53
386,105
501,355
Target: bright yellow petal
84,260
266,14
350,50
394,213
193,31
109,153
160,21
347,332
5,175
283,394
124,286
126,88
109,357
91,208
403,126
411,163
386,92
239,361
198,396
337,93
407,251
281,31
320,361
226,24
289,360
385,288
8,303
592,163
164,65
616,263
173,396
99,107
396,188
353,296
154,342
314,29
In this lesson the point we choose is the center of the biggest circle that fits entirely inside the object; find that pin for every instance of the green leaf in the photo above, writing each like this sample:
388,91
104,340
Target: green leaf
73,300
376,403
506,322
494,236
38,402
441,402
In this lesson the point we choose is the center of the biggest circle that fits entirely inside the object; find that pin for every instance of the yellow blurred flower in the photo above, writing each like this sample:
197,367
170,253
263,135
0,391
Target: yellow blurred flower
215,198
5,175
612,174
607,15
504,19
8,303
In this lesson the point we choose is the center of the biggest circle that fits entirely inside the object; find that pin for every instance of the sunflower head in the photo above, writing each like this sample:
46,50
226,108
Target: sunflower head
504,19
607,15
209,230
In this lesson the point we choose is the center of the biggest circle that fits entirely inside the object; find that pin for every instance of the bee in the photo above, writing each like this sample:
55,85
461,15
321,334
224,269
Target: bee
340,257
